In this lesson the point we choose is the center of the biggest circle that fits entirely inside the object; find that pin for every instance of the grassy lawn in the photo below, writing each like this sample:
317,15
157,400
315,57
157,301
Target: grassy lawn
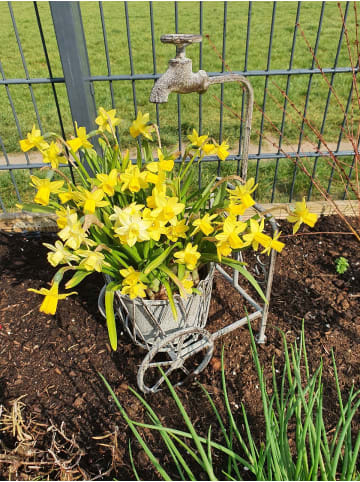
164,22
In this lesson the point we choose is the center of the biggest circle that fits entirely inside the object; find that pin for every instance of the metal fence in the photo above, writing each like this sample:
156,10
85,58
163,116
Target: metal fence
74,73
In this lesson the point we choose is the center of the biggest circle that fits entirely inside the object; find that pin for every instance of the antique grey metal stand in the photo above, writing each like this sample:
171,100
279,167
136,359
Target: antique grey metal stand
188,349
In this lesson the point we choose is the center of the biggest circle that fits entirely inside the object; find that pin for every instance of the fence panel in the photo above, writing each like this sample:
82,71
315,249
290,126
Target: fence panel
109,54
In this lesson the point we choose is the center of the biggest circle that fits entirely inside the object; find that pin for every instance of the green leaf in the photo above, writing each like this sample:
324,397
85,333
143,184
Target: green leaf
159,260
36,208
76,279
110,315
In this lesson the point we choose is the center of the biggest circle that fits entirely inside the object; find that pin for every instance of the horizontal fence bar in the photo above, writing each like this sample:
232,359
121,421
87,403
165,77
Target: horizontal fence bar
232,157
250,73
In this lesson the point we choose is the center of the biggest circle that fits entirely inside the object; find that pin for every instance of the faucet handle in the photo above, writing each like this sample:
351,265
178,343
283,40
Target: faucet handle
181,41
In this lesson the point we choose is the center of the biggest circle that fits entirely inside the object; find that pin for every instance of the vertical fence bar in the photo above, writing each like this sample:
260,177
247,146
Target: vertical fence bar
222,85
24,65
178,95
57,105
265,89
130,56
17,123
154,57
201,18
329,97
11,175
308,95
108,65
71,42
285,101
243,99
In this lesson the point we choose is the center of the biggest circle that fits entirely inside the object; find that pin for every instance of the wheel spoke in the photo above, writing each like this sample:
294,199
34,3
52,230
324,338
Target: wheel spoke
160,363
162,379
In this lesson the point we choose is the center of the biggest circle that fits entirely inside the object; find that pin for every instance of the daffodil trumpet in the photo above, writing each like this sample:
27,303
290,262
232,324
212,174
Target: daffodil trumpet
143,223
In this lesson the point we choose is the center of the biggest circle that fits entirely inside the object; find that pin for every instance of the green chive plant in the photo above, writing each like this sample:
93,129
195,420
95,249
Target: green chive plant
319,452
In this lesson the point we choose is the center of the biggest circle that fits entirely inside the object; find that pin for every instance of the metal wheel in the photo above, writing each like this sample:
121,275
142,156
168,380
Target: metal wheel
181,355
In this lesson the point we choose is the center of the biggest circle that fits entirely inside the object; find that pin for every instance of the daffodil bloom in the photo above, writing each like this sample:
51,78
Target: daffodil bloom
63,216
156,227
187,283
90,200
157,192
167,208
132,179
231,230
162,164
66,196
135,290
177,230
222,150
273,243
51,299
73,233
59,254
204,224
255,235
80,140
93,260
223,248
240,198
44,188
139,126
301,215
52,155
107,120
229,238
130,210
130,275
189,256
197,140
208,149
132,228
33,139
108,182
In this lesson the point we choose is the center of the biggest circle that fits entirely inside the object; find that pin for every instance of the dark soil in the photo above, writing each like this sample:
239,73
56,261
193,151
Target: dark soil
54,361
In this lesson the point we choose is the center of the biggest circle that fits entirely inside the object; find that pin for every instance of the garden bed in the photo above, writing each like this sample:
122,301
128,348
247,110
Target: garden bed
53,362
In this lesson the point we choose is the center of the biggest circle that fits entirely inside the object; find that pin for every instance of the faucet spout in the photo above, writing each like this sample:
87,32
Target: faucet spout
179,76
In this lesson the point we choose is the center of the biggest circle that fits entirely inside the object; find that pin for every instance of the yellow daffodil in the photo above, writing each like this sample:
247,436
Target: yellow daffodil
135,290
33,139
273,243
130,275
108,182
156,227
208,149
189,256
204,224
222,150
93,260
73,233
240,198
162,164
132,179
139,126
132,228
52,155
167,208
229,238
197,140
107,120
63,216
51,299
66,196
301,215
177,230
80,140
187,283
44,188
59,254
90,200
255,235
130,210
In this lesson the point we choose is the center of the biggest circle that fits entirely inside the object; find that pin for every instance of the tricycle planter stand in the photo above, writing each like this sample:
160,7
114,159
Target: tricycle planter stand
184,348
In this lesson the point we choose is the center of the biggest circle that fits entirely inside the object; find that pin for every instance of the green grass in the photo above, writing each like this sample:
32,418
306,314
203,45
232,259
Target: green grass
296,443
142,60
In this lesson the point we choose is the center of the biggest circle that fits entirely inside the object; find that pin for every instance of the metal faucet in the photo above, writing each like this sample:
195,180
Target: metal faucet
180,78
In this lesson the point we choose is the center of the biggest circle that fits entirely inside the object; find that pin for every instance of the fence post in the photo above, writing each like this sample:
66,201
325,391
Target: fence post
71,42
